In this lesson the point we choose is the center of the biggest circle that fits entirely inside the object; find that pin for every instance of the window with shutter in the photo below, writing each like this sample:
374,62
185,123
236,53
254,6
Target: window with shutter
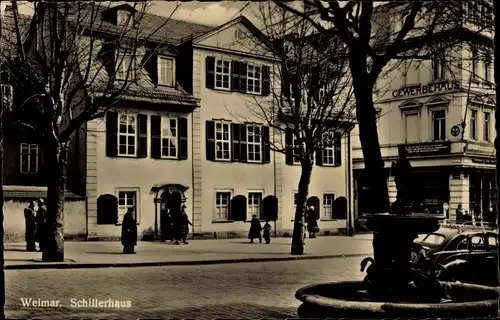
169,138
328,150
337,144
254,143
222,140
155,137
127,198
127,135
29,158
238,208
222,74
328,199
254,205
210,140
254,79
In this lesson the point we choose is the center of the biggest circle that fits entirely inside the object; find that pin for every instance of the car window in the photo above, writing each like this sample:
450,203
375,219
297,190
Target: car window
433,238
462,244
477,242
493,241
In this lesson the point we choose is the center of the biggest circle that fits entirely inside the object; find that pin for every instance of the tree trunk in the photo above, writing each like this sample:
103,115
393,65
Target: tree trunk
368,135
299,223
56,154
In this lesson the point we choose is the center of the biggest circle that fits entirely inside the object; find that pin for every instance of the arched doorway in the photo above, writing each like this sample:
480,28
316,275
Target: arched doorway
169,198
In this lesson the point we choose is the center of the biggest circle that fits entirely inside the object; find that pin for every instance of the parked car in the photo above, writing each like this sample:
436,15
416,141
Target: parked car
464,253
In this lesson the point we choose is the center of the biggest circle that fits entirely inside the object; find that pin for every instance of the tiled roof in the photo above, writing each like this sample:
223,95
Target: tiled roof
35,194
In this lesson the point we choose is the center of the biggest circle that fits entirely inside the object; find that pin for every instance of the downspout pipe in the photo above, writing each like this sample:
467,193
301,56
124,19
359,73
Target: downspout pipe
350,222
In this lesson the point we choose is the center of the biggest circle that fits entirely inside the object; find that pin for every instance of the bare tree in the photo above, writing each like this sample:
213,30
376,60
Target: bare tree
379,35
309,101
70,62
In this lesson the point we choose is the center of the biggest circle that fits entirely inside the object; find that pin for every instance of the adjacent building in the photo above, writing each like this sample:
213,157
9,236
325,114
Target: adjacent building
442,112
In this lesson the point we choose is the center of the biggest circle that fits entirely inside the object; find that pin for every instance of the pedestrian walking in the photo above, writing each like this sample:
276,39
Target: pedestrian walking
255,229
185,225
459,213
30,226
129,232
267,232
41,225
312,223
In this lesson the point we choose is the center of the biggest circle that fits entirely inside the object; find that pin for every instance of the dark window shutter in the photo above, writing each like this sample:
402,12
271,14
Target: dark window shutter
319,155
266,158
270,208
243,142
266,81
111,134
152,65
107,209
142,137
235,75
183,138
235,139
238,208
243,77
210,72
210,139
340,208
337,145
156,137
289,146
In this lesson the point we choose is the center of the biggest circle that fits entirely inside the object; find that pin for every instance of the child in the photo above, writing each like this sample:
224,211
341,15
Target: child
267,232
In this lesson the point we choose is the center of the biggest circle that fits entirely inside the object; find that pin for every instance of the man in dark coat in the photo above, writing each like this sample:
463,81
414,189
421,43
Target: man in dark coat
177,222
255,229
30,226
185,225
312,223
129,232
41,226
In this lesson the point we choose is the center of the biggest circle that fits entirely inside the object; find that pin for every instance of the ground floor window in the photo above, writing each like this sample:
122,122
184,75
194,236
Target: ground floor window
222,203
254,204
328,199
126,199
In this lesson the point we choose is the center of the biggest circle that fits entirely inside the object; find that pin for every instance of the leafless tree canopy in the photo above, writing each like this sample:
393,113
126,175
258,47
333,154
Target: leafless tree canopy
311,91
71,61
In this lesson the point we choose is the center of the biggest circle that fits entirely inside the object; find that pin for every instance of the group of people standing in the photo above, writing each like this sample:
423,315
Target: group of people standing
35,225
175,225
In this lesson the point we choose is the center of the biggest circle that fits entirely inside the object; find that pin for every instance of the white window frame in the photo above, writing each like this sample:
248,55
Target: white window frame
29,155
252,206
251,79
442,121
122,209
407,114
325,207
294,153
487,126
162,62
254,144
125,60
222,140
473,119
174,137
216,214
222,74
127,135
325,150
7,95
124,17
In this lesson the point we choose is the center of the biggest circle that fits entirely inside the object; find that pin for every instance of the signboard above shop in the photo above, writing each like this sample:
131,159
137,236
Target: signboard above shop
421,89
428,148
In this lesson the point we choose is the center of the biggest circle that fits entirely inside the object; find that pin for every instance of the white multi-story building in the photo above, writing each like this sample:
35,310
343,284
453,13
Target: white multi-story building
442,113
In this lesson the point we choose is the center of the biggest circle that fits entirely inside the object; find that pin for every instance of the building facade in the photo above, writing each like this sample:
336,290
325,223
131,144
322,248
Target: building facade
185,130
442,112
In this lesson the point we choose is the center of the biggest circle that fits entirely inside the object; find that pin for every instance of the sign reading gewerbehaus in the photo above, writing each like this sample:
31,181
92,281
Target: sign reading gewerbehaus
435,87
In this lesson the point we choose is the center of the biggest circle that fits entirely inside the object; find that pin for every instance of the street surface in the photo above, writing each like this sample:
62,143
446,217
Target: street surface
241,290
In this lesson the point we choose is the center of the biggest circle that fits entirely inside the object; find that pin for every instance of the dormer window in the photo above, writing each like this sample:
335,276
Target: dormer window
124,17
166,71
125,65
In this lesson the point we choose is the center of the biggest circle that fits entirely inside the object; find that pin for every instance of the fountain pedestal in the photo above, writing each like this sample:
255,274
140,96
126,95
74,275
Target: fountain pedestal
391,287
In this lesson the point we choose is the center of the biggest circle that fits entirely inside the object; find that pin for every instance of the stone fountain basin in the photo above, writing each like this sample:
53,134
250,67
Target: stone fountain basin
343,300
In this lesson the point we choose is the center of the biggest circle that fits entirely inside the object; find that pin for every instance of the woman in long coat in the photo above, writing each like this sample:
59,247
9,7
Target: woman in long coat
312,223
129,232
255,229
30,224
185,225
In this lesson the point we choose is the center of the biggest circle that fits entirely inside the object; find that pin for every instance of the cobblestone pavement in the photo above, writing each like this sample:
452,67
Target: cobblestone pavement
244,290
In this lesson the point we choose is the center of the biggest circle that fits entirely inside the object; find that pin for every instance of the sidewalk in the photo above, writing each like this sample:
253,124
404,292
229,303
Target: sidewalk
197,252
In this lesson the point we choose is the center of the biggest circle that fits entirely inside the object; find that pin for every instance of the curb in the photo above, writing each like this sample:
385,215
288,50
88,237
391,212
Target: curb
66,265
